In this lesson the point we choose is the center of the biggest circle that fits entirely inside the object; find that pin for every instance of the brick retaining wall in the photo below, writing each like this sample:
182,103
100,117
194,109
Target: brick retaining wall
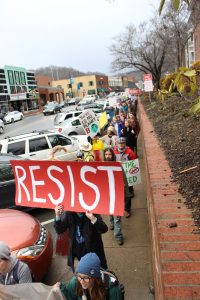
175,251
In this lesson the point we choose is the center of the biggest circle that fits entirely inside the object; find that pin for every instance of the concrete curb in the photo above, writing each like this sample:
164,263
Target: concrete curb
175,250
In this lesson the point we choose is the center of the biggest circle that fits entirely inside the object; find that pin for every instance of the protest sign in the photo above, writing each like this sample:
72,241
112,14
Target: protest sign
148,84
89,122
132,171
103,120
112,101
78,186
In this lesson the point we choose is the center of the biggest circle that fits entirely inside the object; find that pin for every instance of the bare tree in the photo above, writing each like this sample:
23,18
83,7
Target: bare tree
175,3
144,48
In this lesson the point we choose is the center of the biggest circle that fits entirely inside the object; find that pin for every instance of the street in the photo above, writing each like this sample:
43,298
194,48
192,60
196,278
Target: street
132,261
30,123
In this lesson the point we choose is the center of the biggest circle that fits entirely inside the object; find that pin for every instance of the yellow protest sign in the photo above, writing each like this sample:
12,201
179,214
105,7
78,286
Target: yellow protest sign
103,119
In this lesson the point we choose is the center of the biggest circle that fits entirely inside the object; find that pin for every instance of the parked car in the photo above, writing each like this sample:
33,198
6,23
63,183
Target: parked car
61,104
28,239
91,98
13,116
38,145
71,126
82,106
7,182
73,101
51,108
1,126
2,116
101,103
59,118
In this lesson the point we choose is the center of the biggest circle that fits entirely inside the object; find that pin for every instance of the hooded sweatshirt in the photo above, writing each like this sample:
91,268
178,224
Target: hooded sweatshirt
22,273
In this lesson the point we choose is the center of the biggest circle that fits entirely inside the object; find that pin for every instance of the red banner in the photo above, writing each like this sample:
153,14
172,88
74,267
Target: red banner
78,186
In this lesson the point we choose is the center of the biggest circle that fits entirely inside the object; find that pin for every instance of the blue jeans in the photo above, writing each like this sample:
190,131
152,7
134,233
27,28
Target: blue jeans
116,222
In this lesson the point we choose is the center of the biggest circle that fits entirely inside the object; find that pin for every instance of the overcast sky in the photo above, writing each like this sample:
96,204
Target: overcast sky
71,33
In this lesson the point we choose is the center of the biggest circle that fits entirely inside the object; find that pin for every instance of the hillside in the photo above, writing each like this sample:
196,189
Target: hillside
179,135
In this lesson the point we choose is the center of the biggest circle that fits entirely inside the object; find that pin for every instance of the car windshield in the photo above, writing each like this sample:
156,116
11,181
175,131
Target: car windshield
50,104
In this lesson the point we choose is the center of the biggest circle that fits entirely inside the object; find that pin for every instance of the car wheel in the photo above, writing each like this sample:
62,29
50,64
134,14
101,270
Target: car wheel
12,120
21,118
73,133
1,130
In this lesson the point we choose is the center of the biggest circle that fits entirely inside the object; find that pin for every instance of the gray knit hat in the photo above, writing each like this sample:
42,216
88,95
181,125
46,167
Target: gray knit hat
4,250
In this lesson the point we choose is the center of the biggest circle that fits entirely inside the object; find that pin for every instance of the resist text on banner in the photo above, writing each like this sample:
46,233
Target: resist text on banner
132,171
78,186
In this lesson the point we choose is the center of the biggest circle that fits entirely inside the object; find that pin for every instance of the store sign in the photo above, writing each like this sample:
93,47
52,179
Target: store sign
79,186
89,122
20,96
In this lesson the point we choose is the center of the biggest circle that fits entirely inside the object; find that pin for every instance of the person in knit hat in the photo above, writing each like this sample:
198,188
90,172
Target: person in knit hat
88,282
12,270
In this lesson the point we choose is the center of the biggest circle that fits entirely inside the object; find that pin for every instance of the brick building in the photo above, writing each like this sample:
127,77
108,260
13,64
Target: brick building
47,92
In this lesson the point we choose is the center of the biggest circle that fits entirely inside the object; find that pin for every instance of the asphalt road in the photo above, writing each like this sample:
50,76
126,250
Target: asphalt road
132,261
30,123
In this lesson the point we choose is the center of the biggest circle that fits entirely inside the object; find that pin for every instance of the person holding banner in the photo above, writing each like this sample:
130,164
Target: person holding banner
115,221
85,231
91,282
87,155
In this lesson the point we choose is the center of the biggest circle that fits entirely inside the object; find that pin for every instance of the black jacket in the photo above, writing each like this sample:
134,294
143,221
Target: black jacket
91,233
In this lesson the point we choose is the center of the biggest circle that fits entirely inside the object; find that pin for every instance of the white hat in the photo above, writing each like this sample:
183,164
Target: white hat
85,146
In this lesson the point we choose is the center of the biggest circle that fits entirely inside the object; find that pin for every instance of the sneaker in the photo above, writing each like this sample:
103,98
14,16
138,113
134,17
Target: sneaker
127,214
120,242
111,227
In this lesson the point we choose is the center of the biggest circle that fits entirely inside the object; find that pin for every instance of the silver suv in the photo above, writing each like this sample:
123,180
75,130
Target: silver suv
61,117
38,145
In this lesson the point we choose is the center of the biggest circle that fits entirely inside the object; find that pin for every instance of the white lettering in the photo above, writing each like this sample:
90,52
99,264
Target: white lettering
59,184
111,182
84,170
36,183
72,185
21,183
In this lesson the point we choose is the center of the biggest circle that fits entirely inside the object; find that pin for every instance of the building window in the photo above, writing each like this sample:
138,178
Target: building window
101,82
23,79
12,89
69,86
81,84
10,76
91,83
17,77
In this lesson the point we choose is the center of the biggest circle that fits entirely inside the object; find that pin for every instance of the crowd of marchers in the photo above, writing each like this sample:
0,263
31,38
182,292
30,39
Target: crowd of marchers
91,279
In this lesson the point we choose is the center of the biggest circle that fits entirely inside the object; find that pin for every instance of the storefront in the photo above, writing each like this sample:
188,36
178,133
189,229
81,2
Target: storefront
23,102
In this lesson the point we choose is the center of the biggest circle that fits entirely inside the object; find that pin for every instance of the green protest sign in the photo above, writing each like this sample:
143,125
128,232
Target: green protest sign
132,171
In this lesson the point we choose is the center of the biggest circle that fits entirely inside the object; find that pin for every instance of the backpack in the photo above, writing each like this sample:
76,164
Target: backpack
15,272
110,279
